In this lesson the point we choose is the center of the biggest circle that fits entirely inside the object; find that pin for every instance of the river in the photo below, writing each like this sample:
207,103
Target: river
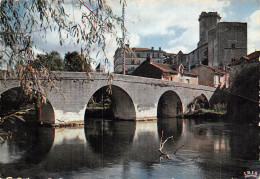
127,149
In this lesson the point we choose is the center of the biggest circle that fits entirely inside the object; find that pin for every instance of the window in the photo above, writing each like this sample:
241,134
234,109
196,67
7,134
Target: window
233,46
138,55
187,80
217,79
148,54
132,62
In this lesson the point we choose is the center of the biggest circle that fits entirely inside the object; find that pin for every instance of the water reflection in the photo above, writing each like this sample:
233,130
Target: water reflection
170,127
26,148
127,149
109,138
27,145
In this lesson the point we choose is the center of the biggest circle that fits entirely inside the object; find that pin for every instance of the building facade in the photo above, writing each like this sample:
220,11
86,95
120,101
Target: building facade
175,73
210,76
227,42
134,57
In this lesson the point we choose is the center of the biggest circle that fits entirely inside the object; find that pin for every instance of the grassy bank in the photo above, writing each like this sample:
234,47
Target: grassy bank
205,114
218,111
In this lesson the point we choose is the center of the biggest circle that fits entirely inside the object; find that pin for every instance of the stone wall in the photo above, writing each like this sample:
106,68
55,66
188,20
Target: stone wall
208,21
138,96
228,41
197,55
206,75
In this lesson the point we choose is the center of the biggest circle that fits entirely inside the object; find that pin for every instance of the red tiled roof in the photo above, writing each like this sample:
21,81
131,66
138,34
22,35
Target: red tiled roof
216,70
254,55
236,62
171,69
165,67
140,49
248,59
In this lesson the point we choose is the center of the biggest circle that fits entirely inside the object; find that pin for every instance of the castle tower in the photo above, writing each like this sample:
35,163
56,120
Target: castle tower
208,21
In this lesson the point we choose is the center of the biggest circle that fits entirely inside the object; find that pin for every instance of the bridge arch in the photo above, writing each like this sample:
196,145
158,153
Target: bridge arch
12,98
205,101
199,102
17,98
122,104
169,105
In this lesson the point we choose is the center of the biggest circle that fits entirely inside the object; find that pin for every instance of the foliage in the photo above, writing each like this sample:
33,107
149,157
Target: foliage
220,107
12,99
52,61
76,62
22,20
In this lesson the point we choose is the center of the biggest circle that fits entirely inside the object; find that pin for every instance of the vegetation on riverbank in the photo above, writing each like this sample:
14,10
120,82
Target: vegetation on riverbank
218,111
99,108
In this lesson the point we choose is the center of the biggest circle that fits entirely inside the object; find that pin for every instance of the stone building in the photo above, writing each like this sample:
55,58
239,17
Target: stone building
227,42
220,42
175,73
134,57
210,76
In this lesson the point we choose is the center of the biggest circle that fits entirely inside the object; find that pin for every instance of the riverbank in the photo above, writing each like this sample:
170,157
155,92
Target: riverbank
204,114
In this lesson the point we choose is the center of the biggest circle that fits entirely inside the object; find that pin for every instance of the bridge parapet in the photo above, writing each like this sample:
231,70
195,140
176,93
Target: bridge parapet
136,97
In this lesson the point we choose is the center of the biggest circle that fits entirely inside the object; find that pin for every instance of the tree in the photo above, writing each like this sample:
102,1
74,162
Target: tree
20,20
76,62
52,61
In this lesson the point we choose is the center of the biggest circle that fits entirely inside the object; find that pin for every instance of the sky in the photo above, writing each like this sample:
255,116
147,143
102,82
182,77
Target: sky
170,24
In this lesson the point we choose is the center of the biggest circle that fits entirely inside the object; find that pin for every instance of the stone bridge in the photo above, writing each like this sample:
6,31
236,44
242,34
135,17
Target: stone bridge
134,98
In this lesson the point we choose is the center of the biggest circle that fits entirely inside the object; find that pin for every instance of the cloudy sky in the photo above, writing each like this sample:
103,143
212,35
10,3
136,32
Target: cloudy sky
170,24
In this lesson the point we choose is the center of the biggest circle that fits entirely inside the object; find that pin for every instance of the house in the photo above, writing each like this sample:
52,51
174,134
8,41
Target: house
250,58
255,56
211,76
237,65
134,56
175,73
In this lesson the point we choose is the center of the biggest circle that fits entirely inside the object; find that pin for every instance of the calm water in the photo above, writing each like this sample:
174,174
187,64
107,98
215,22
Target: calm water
108,149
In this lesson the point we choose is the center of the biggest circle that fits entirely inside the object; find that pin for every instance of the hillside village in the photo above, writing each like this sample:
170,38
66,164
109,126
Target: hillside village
221,49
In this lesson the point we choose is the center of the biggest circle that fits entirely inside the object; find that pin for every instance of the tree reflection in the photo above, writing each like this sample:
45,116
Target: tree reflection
244,142
26,147
109,138
170,127
30,146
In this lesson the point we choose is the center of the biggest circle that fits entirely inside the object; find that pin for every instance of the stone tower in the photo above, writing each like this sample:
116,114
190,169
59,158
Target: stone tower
208,21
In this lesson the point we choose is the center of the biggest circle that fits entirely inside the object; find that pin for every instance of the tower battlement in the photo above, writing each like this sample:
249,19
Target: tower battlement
209,14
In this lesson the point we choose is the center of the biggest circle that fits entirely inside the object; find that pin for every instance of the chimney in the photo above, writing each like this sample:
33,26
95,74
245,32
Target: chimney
152,48
148,59
160,48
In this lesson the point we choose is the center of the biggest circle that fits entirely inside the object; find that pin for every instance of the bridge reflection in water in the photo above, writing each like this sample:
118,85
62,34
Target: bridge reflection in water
128,149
